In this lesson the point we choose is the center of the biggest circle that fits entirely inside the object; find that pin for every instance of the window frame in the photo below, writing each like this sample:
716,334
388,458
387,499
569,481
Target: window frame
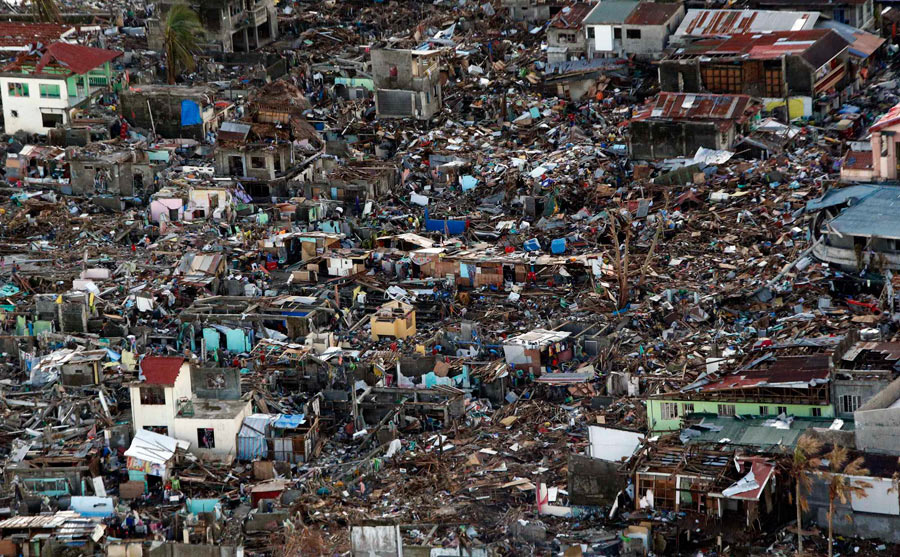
202,440
17,89
726,410
144,395
42,87
668,410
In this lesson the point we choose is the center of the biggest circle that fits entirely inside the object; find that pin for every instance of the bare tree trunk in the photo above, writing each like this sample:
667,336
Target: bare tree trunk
799,522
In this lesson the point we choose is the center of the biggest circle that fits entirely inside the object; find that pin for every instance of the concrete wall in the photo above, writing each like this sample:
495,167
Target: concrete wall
878,425
216,383
165,106
654,38
161,414
225,432
864,389
689,80
593,481
577,49
868,525
667,139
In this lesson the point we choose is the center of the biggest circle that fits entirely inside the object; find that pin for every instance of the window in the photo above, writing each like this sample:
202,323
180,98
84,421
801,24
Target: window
773,82
14,113
726,409
617,33
668,410
153,395
763,410
18,89
687,408
206,438
161,429
257,162
721,78
51,120
782,410
590,32
849,403
49,91
632,33
816,413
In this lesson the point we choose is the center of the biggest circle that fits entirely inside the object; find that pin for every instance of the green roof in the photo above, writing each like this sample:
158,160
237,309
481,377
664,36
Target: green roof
749,431
610,11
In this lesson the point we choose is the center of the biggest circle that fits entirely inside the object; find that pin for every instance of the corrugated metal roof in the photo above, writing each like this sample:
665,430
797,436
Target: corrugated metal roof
874,216
610,11
571,17
697,107
712,23
651,13
817,46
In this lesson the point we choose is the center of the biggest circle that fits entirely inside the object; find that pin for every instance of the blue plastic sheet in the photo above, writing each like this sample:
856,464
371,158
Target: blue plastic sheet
190,113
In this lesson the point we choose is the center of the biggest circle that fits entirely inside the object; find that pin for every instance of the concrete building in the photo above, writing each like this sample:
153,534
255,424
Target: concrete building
855,227
127,173
566,39
164,402
40,89
407,83
394,319
530,11
676,125
646,30
163,108
230,25
603,27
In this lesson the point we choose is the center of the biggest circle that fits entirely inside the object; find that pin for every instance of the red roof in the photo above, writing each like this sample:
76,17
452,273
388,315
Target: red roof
651,13
572,18
725,109
160,370
24,34
73,57
766,46
79,59
889,119
785,372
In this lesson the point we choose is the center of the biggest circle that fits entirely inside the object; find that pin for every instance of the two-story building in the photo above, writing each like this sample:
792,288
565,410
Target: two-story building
164,401
40,88
230,25
407,83
565,35
797,67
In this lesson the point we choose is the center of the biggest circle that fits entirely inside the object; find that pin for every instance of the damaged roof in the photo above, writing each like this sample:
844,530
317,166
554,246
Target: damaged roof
652,13
161,370
713,23
816,46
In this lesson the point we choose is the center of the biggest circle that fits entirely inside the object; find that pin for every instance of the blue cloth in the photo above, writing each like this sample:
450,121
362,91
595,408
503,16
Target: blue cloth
190,113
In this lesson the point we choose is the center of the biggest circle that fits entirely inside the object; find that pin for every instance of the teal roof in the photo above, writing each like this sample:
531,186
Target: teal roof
753,432
610,11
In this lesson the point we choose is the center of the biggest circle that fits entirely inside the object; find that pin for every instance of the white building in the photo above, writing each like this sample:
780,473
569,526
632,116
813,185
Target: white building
163,402
41,88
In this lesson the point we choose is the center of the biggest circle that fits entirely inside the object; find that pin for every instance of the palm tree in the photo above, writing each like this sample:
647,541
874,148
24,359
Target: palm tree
180,32
46,11
803,463
842,485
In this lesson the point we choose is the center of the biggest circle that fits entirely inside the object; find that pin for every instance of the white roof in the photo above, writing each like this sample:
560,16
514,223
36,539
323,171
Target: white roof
538,337
153,447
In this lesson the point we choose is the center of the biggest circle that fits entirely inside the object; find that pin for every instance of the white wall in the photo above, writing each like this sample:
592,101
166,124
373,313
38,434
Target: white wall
160,414
603,38
28,109
225,431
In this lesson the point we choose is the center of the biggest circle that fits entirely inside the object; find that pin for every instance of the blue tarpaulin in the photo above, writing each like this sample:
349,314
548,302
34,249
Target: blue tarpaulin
446,226
289,421
190,113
